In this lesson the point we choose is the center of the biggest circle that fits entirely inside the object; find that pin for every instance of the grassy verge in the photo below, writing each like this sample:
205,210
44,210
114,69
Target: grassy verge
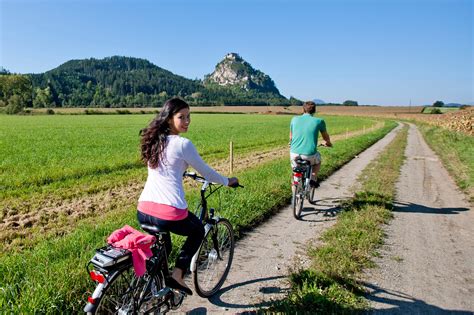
456,150
51,277
330,285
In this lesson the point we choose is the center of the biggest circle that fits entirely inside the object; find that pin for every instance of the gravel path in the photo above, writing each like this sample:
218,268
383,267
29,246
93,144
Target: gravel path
427,264
263,256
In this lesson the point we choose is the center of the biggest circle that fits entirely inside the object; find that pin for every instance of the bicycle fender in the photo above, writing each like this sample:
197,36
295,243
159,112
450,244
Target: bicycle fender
91,308
207,228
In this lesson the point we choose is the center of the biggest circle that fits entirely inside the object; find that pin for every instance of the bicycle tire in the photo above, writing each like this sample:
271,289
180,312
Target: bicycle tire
297,202
116,294
214,259
311,194
128,294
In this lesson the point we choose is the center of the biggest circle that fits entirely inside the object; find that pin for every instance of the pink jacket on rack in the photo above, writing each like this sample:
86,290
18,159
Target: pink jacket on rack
137,243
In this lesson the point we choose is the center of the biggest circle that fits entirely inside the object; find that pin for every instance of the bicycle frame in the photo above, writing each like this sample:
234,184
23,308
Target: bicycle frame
157,265
204,212
304,173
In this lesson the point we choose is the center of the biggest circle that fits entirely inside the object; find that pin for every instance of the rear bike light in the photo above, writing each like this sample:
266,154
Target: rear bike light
95,276
298,174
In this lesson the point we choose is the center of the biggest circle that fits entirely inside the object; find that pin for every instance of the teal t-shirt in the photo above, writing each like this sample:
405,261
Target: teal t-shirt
305,130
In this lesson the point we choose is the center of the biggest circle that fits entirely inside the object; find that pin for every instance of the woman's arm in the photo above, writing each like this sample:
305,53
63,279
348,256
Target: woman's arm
192,157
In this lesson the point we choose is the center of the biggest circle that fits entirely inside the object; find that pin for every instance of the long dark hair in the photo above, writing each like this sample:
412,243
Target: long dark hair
153,138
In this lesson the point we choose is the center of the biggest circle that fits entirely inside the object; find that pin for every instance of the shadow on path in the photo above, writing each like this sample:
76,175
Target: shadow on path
401,303
412,207
218,301
328,207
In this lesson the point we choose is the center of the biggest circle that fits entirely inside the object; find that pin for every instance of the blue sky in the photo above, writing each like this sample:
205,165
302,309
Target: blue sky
385,52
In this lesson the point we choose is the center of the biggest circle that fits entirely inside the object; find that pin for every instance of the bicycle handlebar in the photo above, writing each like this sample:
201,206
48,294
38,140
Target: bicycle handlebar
194,176
201,179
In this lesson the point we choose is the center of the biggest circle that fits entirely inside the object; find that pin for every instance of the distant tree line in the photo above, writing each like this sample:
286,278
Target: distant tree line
345,103
350,103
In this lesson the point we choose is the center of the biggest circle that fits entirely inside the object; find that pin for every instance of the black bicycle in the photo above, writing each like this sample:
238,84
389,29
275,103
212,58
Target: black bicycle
119,291
302,189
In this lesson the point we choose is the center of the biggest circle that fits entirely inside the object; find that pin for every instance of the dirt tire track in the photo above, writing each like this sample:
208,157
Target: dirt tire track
427,264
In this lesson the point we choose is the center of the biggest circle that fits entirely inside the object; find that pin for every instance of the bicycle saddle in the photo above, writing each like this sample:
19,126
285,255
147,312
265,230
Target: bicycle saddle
302,162
299,169
152,229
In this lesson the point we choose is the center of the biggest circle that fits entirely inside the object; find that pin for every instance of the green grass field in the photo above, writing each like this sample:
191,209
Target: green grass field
49,153
50,277
44,188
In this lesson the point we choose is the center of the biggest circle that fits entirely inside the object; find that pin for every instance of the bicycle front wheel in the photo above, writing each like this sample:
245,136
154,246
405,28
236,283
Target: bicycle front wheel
214,259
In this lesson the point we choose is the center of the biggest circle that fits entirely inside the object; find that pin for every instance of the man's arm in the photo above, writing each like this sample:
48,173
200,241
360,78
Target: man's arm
326,138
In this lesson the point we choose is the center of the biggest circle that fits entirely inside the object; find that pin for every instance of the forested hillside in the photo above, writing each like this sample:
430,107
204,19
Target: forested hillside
132,82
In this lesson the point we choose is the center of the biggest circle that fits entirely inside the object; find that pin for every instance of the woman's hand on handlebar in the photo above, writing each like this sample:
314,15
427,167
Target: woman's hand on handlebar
233,182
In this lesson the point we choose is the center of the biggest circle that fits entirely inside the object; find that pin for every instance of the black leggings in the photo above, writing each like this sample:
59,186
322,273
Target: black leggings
190,227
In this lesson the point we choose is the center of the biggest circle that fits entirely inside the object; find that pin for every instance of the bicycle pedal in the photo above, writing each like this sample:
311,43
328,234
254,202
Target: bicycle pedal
314,184
172,283
177,299
163,292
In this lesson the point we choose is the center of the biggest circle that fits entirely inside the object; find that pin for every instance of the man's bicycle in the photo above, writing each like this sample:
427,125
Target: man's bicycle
120,291
301,186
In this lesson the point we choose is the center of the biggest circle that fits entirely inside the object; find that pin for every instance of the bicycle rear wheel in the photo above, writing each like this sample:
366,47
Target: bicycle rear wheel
117,295
146,289
312,191
127,294
214,259
297,201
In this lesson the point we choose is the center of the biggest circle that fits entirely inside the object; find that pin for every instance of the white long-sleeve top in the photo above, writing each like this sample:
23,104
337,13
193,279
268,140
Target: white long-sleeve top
164,184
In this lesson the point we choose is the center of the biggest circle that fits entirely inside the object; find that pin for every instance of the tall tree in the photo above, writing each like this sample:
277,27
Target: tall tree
15,85
43,98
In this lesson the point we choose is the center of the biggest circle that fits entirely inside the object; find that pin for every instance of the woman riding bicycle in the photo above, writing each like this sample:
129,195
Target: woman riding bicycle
162,201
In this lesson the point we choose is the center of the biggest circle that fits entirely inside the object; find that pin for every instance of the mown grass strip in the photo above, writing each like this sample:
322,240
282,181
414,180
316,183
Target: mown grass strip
330,285
51,278
456,150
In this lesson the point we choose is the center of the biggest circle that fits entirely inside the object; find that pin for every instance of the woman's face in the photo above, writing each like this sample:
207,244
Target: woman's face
180,122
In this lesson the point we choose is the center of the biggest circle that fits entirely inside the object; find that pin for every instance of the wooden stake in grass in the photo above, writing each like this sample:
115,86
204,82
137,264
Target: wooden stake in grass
231,158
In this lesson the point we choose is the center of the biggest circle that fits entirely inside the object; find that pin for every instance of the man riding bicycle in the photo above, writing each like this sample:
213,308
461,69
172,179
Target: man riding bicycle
304,131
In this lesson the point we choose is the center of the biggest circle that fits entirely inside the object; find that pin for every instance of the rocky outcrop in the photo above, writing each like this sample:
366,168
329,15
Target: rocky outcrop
234,71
